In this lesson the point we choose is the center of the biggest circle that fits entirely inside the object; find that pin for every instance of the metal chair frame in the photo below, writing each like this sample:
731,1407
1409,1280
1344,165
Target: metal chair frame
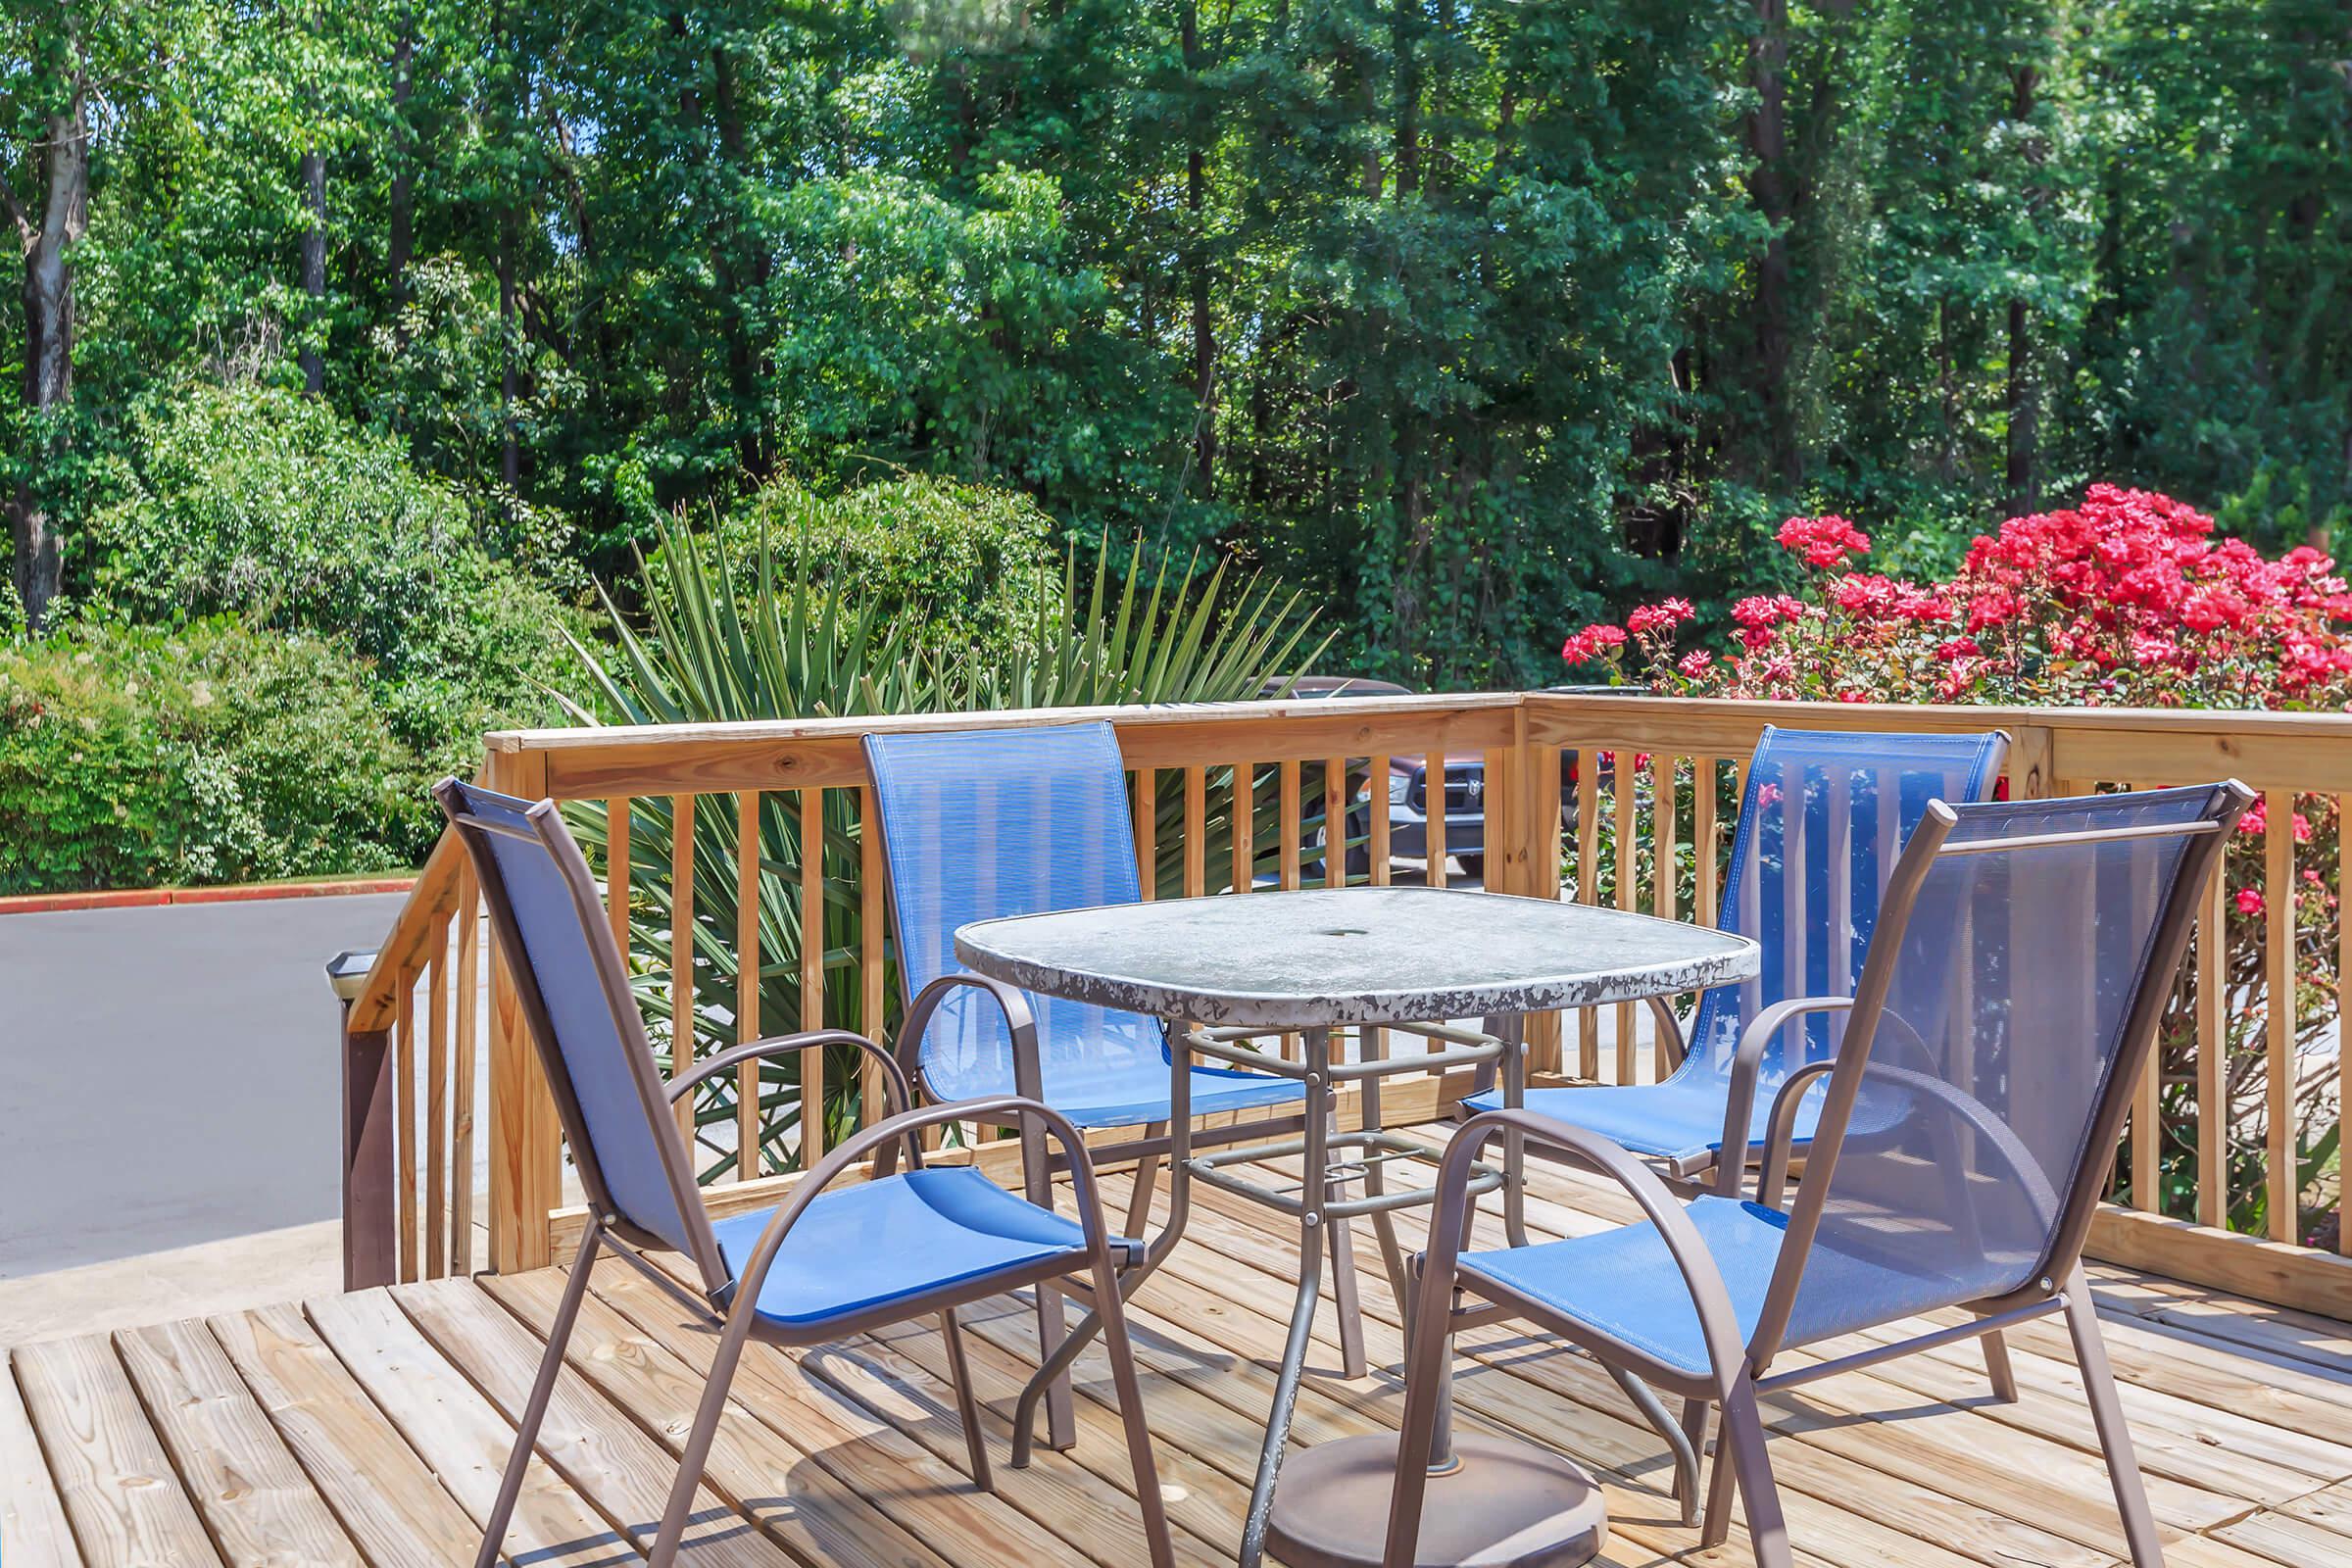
729,1299
1039,1164
1686,1439
1739,1371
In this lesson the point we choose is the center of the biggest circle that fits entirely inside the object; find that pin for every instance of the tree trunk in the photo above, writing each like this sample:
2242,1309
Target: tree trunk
1768,185
313,269
509,456
49,233
399,242
1196,201
739,266
2023,488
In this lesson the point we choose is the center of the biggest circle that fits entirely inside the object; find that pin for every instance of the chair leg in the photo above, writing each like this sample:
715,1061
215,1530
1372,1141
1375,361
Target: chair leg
1344,1297
1740,1449
967,1409
2107,1414
1344,1289
1689,1454
1715,1525
1062,1434
1147,1177
1997,1368
534,1409
1112,1315
697,1452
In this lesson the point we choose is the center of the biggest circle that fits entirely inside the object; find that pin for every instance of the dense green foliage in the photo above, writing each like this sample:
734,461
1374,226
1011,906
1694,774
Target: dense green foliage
1472,318
291,632
133,757
955,567
267,505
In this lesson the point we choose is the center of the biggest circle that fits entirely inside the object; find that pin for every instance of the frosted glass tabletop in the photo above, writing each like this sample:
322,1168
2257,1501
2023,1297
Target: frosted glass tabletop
1330,957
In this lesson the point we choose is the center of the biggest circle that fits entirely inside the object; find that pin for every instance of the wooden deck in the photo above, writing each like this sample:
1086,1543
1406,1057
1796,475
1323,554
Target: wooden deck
370,1427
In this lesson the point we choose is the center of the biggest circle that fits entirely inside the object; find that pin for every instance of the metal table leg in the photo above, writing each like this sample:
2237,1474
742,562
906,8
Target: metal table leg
1315,1193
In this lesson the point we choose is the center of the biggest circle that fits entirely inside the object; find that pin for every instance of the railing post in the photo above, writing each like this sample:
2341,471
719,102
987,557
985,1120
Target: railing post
525,1144
2032,761
1536,853
369,1181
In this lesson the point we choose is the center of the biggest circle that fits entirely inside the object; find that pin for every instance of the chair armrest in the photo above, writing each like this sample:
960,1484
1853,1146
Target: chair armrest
907,1125
1780,1134
1779,1138
1747,1061
1449,1221
1028,1077
894,1080
1671,1046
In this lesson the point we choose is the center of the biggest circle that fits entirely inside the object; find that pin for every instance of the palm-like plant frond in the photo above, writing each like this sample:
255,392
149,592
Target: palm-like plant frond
710,651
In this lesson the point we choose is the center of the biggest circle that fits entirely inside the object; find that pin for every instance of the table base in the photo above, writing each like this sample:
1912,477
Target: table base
1501,1504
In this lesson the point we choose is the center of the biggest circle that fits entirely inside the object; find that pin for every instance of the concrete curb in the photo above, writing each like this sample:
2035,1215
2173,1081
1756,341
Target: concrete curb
151,897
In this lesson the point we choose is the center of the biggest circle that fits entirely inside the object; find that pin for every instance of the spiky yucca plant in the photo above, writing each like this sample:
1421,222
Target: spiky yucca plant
709,651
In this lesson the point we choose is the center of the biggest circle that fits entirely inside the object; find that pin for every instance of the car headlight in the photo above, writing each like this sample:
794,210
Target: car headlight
1400,788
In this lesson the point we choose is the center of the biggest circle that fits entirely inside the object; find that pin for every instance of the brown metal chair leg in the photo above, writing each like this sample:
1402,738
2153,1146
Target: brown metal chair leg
697,1452
1740,1449
1052,1326
967,1409
1147,1177
1344,1288
1344,1297
2107,1414
1113,1318
1999,1369
1715,1525
534,1409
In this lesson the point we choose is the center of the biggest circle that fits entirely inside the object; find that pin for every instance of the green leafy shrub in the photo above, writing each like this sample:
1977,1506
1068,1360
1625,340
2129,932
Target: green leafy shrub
961,568
131,757
255,500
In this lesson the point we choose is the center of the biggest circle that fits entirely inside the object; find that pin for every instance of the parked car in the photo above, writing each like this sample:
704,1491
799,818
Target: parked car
1406,789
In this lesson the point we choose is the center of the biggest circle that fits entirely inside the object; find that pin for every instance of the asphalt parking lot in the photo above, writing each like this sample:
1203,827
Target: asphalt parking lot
167,1075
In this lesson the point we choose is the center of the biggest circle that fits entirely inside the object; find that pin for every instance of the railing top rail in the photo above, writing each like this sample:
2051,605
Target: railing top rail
1133,715
1638,711
429,902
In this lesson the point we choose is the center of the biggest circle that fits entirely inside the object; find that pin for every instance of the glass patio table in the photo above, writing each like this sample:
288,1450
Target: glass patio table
1224,970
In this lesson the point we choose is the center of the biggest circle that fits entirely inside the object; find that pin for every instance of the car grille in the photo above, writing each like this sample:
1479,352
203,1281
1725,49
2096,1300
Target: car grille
1465,791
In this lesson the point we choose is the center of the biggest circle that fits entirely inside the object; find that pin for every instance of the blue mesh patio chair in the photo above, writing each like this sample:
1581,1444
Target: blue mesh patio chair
1823,815
826,1264
1823,820
980,824
2008,1005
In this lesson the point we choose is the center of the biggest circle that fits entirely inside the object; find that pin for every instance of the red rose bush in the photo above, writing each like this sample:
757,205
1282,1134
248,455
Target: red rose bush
2128,600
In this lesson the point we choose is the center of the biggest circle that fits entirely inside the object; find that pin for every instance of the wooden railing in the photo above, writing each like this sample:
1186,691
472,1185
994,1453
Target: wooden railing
1231,796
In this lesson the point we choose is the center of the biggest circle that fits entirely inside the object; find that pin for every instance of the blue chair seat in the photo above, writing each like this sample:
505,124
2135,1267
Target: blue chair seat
859,1248
1624,1283
1680,1120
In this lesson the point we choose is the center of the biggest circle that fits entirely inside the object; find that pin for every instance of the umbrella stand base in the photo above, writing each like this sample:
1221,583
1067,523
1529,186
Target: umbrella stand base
1500,1504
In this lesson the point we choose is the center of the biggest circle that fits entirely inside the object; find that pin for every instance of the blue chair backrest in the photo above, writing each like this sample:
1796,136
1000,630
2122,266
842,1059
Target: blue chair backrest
2022,999
1823,815
979,824
573,988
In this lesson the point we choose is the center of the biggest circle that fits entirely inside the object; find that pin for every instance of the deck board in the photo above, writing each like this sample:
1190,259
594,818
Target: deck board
389,1500
256,1502
370,1428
